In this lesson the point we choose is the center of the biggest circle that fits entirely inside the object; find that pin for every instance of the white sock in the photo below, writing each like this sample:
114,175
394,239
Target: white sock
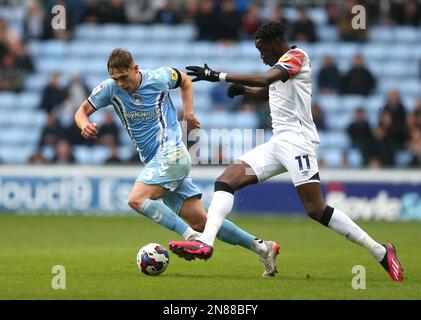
188,233
219,208
259,246
342,224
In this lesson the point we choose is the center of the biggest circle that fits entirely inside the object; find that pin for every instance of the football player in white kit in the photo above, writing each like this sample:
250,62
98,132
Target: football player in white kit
293,148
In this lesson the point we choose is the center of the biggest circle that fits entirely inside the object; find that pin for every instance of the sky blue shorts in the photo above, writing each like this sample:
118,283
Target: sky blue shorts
170,169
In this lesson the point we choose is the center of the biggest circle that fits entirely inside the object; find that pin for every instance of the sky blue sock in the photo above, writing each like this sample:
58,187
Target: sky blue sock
232,234
163,215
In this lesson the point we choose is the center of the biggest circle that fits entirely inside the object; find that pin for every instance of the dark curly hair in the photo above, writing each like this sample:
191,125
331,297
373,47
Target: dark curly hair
271,30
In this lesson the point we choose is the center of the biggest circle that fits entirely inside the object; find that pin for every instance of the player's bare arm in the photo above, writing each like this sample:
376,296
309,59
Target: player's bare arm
263,79
255,93
186,88
88,130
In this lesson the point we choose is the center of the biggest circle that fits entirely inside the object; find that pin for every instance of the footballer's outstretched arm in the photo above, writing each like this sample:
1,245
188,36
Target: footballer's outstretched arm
186,88
258,79
88,130
263,79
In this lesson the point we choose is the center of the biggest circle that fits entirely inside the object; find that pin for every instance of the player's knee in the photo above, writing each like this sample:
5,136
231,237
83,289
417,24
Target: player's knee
198,226
135,203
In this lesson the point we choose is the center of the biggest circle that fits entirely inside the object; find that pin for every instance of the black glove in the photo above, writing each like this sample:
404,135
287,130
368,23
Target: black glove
205,73
235,90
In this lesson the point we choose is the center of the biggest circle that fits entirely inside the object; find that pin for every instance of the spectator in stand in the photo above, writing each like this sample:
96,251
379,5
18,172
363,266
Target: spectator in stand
318,117
9,39
415,148
168,14
251,20
76,92
383,148
303,29
228,23
36,24
11,77
358,80
23,59
53,94
359,131
333,13
109,131
63,153
329,78
414,145
92,12
51,133
36,158
114,12
143,11
406,13
397,110
114,157
205,21
277,15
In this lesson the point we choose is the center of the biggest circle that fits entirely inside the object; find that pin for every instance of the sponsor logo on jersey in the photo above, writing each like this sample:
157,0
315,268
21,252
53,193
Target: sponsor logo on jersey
97,89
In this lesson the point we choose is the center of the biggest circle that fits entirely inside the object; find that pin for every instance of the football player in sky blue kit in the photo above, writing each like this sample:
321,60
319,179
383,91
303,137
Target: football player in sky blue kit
142,102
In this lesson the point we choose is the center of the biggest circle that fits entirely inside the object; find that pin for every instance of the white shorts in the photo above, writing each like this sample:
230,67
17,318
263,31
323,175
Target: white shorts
286,151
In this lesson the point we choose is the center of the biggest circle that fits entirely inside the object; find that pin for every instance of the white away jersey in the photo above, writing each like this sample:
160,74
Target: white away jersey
290,101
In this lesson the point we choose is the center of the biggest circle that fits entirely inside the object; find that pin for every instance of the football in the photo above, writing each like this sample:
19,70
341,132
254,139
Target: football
152,259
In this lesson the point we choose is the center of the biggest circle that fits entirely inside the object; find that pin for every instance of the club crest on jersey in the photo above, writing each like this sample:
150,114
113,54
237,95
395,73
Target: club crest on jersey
137,100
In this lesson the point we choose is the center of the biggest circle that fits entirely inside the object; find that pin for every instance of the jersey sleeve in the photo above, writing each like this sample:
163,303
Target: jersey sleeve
291,62
101,95
173,77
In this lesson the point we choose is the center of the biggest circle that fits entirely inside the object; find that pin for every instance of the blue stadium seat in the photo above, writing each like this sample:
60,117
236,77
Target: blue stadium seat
82,154
87,31
403,158
126,152
338,121
221,119
29,100
328,33
354,158
330,103
381,34
337,139
374,103
16,154
332,157
7,100
55,49
352,102
36,82
245,120
406,34
183,33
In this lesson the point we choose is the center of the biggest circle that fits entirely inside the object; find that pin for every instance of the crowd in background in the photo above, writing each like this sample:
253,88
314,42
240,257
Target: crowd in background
226,21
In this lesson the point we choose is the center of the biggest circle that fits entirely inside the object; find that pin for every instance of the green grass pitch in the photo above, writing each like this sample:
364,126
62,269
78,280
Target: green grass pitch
98,254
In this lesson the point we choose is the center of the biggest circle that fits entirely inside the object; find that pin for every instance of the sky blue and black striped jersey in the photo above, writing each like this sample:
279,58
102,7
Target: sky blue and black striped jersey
147,113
